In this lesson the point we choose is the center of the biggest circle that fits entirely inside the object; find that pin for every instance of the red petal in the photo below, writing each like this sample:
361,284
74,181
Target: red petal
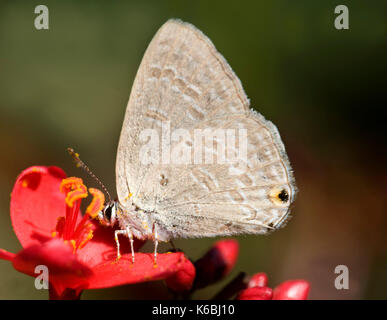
66,294
65,271
123,271
216,263
258,280
102,247
292,290
36,203
182,280
256,293
5,255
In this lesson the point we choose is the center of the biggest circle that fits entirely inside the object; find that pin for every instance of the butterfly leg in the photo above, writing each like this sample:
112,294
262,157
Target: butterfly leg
172,245
130,235
116,233
156,244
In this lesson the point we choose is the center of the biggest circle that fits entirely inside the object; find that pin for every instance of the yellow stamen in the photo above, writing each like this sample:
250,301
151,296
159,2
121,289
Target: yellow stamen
74,246
70,183
96,204
74,189
88,238
75,195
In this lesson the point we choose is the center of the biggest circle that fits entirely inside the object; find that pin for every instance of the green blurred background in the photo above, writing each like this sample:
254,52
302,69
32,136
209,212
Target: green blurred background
322,87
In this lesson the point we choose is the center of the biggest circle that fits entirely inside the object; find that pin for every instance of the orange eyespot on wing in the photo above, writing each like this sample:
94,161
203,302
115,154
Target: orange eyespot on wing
279,196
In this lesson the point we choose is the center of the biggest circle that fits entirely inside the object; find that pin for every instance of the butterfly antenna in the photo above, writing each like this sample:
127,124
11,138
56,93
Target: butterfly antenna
80,164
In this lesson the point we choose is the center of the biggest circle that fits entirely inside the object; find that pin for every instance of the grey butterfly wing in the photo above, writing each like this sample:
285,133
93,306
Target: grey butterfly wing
185,82
177,52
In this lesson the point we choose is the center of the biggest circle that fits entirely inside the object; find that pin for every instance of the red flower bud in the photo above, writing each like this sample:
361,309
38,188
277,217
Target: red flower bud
258,280
256,293
292,290
216,263
183,279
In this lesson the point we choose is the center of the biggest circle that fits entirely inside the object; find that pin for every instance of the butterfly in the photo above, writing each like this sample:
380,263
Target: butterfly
183,86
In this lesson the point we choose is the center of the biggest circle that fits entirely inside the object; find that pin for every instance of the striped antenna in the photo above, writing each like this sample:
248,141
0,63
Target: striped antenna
80,164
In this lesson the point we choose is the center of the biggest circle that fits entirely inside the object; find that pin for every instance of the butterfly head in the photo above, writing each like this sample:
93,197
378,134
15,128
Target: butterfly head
108,215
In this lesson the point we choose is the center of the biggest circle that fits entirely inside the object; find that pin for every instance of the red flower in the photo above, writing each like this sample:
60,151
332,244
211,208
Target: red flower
289,290
256,293
79,253
292,290
258,280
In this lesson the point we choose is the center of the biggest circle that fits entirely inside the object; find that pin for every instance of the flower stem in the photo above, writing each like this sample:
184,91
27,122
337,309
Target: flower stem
232,288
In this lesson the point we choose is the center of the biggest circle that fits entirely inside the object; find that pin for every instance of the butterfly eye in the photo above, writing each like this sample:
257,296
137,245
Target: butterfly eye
107,216
108,213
